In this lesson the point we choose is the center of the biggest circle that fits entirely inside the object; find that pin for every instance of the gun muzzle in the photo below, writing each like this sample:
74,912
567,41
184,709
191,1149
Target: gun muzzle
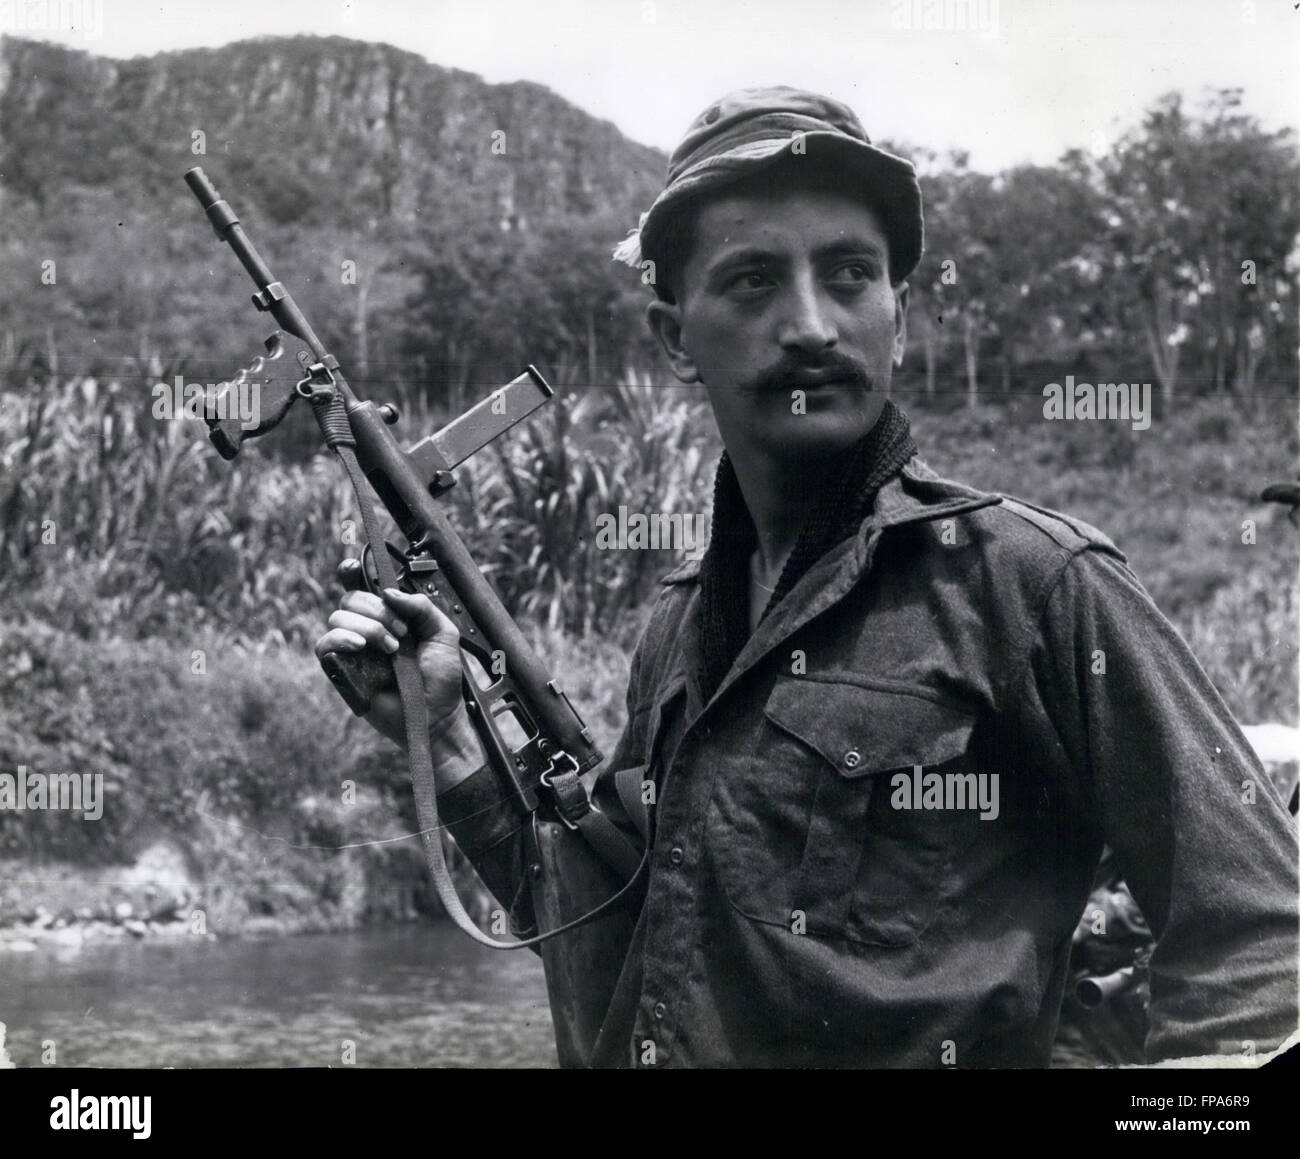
1091,991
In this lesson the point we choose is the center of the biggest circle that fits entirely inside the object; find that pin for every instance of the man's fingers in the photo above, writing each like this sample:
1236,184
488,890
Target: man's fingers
369,604
427,622
402,613
339,640
369,629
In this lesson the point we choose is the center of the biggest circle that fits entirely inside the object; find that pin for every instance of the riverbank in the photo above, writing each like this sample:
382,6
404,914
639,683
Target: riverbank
163,895
239,799
66,905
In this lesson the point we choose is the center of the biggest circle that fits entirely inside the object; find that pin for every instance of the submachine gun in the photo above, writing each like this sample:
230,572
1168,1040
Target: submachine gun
540,775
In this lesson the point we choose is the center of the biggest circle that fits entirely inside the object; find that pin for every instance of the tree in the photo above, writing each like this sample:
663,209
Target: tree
1188,202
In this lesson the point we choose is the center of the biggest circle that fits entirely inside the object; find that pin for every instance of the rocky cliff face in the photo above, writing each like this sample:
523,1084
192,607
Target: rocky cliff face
312,128
329,150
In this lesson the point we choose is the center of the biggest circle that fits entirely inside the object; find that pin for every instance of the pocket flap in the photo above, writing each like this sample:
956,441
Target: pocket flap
863,730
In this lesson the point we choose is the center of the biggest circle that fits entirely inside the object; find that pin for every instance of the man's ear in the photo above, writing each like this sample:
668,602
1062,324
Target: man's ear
900,322
665,322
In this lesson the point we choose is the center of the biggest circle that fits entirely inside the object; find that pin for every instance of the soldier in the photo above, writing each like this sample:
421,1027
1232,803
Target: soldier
879,734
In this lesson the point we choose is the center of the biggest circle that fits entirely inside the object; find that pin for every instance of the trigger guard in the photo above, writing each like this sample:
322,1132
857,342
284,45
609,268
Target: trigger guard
370,573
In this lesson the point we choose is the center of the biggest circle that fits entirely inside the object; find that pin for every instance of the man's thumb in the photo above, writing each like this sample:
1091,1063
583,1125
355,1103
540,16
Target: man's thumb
425,620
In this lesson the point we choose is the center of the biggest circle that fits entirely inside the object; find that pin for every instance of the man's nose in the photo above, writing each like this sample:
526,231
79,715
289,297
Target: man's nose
807,324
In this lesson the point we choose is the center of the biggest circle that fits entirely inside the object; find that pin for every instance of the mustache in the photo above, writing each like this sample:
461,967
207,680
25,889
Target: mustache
832,364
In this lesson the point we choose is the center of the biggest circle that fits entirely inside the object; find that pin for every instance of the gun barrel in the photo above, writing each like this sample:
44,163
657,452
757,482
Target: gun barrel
271,296
1092,991
227,225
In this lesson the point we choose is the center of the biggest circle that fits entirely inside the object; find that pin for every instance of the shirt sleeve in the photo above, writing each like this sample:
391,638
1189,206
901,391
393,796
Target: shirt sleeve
488,830
1198,830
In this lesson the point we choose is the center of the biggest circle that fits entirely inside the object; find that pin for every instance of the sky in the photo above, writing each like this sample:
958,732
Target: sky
1008,81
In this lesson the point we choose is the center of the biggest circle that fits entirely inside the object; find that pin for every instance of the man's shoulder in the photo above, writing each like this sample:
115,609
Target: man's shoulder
686,572
1013,526
1012,551
1028,523
1014,522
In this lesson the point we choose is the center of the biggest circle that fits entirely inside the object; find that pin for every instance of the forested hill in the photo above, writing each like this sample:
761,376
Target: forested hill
330,150
323,130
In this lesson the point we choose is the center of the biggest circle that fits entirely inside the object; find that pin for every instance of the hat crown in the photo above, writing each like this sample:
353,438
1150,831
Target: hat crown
750,112
750,129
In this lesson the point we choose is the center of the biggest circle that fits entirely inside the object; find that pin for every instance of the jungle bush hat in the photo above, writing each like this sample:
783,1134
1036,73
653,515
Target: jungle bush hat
753,128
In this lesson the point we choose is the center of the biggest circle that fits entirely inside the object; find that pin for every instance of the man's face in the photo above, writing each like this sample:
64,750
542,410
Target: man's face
785,313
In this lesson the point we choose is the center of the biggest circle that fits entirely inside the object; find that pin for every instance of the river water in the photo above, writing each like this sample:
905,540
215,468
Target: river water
422,996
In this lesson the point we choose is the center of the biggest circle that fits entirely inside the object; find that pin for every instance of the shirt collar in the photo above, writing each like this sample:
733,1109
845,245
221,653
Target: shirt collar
915,495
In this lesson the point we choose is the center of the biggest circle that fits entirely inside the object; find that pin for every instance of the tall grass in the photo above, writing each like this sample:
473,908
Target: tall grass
114,522
534,503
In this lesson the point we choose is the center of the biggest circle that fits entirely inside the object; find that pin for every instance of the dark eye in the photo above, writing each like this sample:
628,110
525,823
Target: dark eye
853,273
750,280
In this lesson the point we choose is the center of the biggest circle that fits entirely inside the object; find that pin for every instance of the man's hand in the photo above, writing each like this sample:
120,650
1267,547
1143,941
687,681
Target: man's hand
364,620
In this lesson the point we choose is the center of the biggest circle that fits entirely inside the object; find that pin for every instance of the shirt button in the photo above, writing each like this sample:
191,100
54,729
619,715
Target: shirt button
852,759
660,1009
676,856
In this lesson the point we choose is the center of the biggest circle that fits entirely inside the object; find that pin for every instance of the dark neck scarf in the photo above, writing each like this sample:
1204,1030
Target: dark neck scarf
846,499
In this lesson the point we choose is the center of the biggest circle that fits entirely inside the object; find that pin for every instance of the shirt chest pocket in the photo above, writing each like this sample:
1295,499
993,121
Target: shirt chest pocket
815,832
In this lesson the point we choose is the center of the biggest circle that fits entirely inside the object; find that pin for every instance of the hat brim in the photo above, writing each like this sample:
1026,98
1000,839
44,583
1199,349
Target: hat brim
886,183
